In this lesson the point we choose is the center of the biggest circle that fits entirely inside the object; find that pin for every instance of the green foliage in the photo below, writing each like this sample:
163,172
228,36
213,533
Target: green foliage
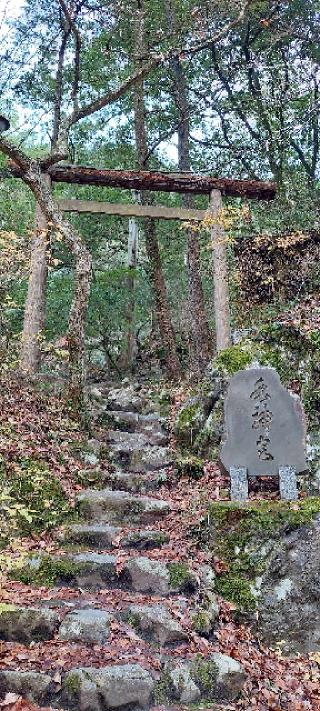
190,466
32,500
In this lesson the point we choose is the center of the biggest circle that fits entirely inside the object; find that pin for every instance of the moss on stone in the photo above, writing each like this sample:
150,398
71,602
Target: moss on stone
163,689
201,622
204,673
48,572
243,536
233,359
72,683
180,575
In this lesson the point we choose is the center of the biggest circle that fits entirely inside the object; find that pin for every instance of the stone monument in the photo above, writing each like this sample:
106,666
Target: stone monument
264,432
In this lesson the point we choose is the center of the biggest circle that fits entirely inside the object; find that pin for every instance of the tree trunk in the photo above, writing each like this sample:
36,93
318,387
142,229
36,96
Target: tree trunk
133,240
35,307
200,335
220,269
152,246
38,183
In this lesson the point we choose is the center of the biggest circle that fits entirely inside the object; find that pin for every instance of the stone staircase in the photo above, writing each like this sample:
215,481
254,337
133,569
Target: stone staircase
112,551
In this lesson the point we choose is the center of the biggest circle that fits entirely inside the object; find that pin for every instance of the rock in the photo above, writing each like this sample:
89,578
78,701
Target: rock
153,576
215,678
28,624
83,570
102,536
134,482
131,440
185,689
156,623
313,459
137,440
31,685
140,458
207,578
125,399
95,536
145,540
95,393
91,454
134,422
148,576
289,594
204,617
125,686
230,677
87,626
115,506
199,422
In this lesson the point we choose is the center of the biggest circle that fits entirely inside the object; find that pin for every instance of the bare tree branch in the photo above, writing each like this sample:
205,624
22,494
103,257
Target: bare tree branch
78,43
153,63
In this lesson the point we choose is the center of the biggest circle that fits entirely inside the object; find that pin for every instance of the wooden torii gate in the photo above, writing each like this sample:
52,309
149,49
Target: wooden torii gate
160,181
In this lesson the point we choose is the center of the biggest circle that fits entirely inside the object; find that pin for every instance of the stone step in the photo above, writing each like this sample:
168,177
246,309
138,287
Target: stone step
134,421
94,571
136,482
39,624
155,624
140,458
126,686
130,686
119,507
125,399
88,626
131,423
103,536
27,624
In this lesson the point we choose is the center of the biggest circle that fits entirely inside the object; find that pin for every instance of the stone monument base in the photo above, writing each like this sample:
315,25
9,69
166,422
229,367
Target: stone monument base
240,483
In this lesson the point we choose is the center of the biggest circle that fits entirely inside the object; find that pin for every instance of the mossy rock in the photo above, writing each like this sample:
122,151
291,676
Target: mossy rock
233,359
181,578
190,420
46,571
190,466
244,536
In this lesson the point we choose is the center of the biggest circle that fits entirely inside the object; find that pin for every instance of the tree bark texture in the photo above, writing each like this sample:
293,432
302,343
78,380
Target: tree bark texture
152,246
38,183
35,307
200,337
157,181
220,269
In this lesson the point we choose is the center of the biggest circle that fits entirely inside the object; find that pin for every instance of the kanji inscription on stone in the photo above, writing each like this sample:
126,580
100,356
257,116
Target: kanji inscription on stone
264,427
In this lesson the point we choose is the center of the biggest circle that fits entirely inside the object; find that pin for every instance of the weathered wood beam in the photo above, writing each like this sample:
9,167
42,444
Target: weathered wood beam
163,182
131,210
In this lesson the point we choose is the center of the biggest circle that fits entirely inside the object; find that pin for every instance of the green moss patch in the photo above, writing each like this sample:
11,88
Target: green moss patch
180,576
243,538
233,359
204,672
48,572
190,466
